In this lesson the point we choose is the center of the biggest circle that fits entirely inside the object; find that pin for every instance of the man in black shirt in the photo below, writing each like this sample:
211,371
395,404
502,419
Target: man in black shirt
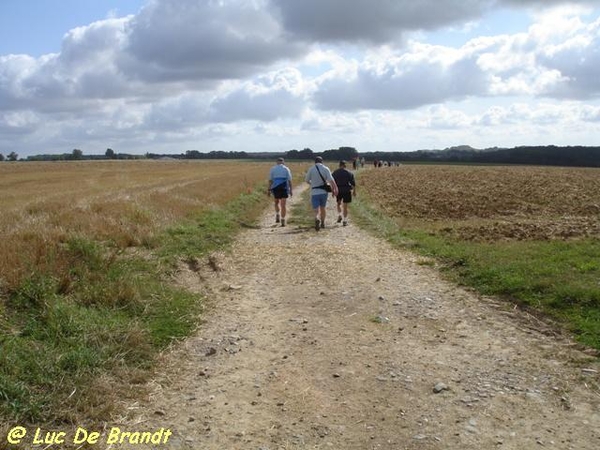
346,189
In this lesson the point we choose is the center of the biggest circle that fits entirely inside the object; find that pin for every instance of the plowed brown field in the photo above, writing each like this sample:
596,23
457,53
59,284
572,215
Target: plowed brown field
490,203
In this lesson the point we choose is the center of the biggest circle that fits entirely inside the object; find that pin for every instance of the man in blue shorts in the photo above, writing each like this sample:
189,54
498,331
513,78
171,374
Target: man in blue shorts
280,184
321,183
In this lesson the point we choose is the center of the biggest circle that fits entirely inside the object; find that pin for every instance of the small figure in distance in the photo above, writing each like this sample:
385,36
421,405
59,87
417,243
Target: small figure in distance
280,185
346,189
319,176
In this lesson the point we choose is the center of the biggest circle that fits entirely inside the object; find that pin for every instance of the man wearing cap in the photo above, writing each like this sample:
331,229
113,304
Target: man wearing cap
321,183
346,189
280,184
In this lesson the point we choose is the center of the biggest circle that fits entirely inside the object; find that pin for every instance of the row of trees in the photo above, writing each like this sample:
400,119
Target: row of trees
12,156
538,155
77,155
346,153
549,155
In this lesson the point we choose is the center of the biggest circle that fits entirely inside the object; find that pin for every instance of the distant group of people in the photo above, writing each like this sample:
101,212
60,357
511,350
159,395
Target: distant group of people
340,183
358,162
377,163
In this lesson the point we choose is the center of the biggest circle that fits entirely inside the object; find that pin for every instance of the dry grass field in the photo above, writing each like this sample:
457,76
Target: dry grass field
122,203
489,203
86,256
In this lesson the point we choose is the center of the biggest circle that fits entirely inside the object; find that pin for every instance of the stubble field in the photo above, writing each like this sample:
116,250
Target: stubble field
530,235
482,203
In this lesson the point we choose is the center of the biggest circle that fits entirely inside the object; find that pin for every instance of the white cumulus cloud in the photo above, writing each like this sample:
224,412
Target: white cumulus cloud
180,71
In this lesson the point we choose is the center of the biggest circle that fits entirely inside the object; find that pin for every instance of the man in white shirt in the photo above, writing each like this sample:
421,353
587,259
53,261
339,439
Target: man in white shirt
321,183
280,184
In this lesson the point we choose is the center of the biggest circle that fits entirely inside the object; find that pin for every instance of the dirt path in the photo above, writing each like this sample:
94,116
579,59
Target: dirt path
334,340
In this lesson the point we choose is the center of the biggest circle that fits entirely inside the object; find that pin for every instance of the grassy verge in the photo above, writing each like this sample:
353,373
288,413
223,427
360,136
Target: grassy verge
301,213
71,345
558,278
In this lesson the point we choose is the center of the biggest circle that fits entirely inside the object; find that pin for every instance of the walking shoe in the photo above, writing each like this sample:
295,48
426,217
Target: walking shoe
317,224
283,222
339,219
277,218
345,222
322,224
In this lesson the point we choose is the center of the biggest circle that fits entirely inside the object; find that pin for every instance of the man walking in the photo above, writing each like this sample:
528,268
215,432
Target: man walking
321,182
280,184
346,189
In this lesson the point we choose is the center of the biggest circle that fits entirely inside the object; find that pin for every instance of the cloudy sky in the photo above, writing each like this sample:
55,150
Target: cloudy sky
168,76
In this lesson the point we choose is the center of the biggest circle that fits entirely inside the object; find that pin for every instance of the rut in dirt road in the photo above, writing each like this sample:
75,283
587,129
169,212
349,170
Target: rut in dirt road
334,340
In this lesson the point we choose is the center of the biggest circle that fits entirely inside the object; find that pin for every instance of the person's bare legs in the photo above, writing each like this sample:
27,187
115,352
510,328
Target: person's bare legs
277,209
320,213
319,217
345,213
283,207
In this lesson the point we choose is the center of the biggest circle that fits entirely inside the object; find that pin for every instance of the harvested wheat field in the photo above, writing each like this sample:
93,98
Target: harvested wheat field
491,203
122,203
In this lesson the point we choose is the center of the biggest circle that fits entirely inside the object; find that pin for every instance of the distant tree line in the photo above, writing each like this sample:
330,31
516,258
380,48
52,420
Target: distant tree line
550,155
529,155
78,155
12,156
535,155
345,153
307,153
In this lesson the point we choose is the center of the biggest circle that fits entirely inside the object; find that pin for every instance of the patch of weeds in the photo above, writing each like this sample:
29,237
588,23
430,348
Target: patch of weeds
301,213
212,230
430,262
379,319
